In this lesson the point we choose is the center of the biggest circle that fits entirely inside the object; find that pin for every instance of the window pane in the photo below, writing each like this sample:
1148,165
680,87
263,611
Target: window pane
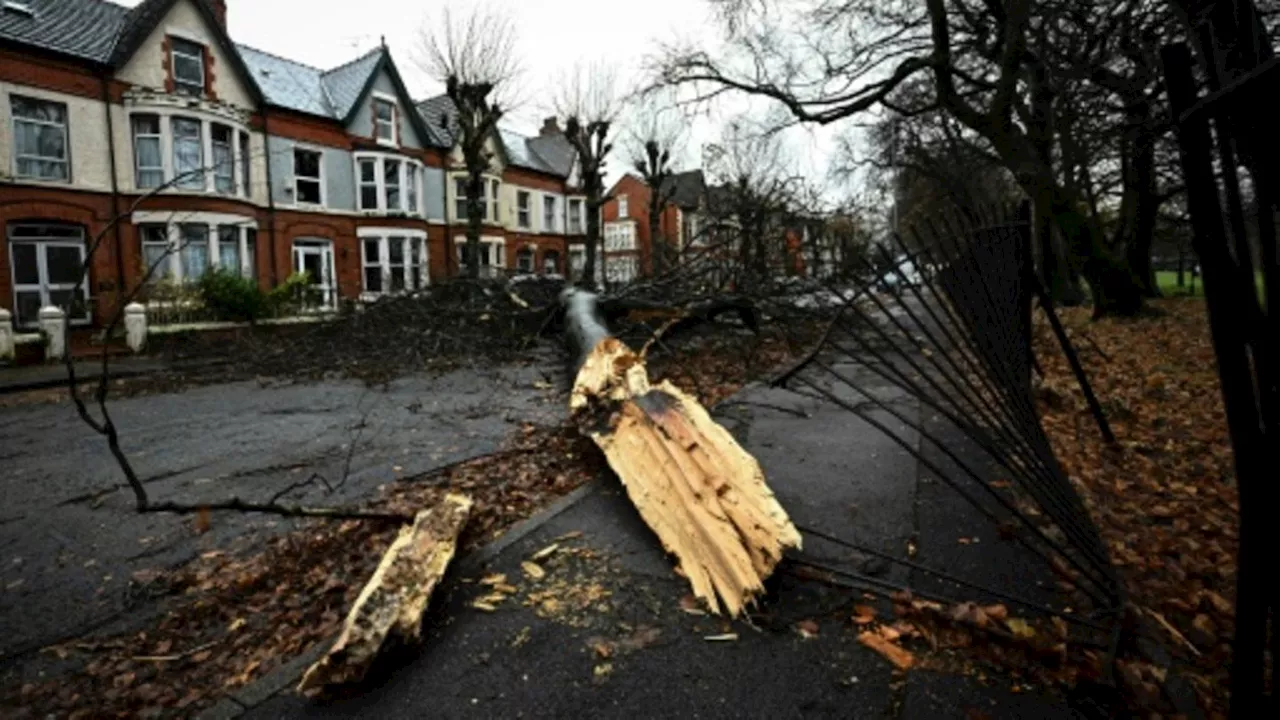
371,247
250,252
188,153
309,192
368,171
397,279
64,264
28,307
368,197
391,180
373,279
223,162
42,110
395,249
306,163
26,270
229,248
246,163
195,251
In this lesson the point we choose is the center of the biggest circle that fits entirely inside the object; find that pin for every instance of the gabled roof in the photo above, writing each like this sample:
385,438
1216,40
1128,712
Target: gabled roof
336,94
686,188
549,154
83,29
143,19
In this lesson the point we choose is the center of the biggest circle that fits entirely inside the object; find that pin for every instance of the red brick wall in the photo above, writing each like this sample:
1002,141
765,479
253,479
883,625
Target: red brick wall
638,195
24,68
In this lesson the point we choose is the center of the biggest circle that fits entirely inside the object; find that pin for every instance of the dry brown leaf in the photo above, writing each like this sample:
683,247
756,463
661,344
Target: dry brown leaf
545,552
533,570
1021,628
898,656
807,629
863,614
722,637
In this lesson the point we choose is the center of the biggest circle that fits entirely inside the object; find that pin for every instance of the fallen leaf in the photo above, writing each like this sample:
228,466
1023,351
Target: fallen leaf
574,534
898,656
482,605
533,570
545,552
202,522
494,579
723,637
807,629
1021,628
996,612
236,624
689,604
863,614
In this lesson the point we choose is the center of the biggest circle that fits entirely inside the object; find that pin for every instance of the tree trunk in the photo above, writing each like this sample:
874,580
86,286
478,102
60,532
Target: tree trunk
657,244
594,201
475,219
697,489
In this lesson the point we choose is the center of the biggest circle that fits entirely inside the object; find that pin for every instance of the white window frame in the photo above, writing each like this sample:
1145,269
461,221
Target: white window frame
172,223
199,171
488,243
378,123
230,174
158,136
174,53
621,268
533,260
65,126
524,213
490,183
297,196
323,247
383,237
576,217
42,284
548,213
624,207
408,178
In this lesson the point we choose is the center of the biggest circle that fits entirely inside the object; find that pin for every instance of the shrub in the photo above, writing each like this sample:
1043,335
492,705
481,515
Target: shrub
231,297
292,295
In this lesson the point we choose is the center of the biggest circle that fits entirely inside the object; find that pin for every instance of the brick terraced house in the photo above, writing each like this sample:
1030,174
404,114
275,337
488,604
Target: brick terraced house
240,160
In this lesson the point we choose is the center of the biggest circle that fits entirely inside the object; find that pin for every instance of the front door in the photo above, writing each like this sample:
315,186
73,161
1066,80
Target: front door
47,260
315,258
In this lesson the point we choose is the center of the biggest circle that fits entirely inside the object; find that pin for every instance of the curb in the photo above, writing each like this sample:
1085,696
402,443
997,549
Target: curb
264,688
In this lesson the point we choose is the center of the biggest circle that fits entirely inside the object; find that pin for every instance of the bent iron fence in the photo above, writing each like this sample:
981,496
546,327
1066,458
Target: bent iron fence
956,336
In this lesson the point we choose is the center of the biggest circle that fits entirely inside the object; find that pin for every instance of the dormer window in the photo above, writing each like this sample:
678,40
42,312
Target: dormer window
384,121
188,66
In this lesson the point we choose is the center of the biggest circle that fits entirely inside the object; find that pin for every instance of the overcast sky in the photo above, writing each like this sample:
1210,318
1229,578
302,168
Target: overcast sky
554,35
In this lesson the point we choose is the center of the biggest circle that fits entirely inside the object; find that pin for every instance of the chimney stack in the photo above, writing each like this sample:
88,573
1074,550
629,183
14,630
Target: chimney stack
550,126
220,12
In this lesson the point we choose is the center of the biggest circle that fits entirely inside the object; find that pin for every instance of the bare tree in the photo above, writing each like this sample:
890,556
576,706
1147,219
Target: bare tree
475,57
657,134
588,101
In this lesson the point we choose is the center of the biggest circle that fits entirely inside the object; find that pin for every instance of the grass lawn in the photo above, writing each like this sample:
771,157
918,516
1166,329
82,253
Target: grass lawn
1168,282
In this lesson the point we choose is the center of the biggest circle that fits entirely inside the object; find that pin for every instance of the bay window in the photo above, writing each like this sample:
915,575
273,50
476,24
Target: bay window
40,142
224,168
393,261
185,251
411,188
148,160
188,153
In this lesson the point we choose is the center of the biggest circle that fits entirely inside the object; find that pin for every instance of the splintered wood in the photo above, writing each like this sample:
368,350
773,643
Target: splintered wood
396,596
701,493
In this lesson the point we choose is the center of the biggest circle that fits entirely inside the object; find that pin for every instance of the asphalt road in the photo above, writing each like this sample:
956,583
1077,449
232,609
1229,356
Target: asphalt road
70,542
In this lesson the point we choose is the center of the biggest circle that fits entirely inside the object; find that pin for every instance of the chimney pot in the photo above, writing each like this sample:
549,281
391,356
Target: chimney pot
550,126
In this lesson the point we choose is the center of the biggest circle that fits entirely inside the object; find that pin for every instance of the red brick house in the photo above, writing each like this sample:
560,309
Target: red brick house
148,138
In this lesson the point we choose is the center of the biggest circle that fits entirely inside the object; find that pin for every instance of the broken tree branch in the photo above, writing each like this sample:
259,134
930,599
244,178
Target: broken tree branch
697,489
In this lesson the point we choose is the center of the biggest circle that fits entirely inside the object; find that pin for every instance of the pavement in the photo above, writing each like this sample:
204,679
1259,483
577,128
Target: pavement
604,633
69,538
21,378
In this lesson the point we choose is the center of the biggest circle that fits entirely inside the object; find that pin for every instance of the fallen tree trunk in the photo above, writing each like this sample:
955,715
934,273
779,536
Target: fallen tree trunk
393,601
697,489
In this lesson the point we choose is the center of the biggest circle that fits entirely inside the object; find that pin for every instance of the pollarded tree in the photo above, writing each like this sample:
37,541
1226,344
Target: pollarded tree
588,101
475,57
657,135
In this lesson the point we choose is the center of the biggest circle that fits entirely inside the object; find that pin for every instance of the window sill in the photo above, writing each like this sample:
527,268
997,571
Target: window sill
43,180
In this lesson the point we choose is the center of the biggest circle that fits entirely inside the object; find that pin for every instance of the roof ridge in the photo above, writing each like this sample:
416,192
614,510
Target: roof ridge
349,63
268,53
